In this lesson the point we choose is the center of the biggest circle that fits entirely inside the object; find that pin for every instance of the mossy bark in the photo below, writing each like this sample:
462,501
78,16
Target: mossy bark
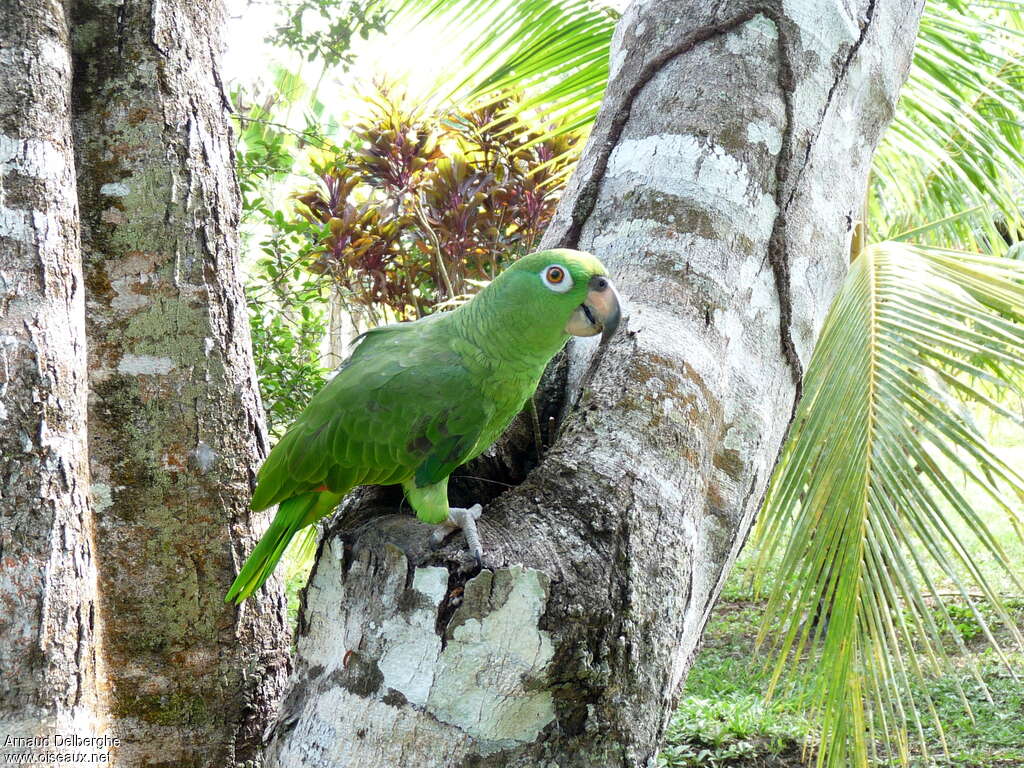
47,572
731,149
175,424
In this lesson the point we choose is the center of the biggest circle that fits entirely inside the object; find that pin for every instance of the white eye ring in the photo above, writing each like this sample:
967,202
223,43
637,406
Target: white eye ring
557,278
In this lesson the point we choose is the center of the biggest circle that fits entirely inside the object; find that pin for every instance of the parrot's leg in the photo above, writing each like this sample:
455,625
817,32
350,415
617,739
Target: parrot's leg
464,518
431,505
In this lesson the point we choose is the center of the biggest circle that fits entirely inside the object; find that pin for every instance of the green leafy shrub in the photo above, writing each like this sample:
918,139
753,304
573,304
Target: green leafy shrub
323,30
287,306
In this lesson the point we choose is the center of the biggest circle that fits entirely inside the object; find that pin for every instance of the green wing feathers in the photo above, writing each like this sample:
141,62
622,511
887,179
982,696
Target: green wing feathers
403,409
292,516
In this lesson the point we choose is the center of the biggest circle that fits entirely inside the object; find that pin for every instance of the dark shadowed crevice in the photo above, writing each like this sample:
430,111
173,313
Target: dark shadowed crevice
840,77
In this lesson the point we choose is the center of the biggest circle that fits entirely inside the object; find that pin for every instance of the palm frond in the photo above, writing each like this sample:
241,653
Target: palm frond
554,51
866,505
957,139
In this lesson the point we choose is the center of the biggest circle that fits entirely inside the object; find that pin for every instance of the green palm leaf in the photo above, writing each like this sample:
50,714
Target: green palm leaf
865,506
956,142
556,51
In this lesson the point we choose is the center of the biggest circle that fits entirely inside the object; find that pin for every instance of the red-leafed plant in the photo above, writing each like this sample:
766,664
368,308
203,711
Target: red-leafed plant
426,207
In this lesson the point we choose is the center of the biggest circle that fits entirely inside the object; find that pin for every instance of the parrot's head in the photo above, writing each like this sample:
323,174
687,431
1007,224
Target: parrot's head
563,291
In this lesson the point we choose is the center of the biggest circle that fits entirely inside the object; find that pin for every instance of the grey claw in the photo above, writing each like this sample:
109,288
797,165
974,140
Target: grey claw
466,520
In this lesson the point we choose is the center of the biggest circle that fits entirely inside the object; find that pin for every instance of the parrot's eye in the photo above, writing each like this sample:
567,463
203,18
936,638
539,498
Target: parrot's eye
557,278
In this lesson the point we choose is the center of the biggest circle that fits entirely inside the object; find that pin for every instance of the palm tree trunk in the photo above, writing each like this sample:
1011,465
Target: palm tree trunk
175,424
47,571
720,186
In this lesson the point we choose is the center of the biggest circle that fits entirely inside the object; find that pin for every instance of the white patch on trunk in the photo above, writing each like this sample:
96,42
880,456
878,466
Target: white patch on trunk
53,55
766,134
145,365
204,456
412,644
752,36
31,157
115,189
44,232
825,24
101,497
687,166
49,231
483,674
618,58
14,224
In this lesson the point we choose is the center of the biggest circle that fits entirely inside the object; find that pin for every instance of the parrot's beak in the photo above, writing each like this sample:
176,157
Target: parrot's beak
599,313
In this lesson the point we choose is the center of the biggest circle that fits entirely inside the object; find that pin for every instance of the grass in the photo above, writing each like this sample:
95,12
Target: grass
723,718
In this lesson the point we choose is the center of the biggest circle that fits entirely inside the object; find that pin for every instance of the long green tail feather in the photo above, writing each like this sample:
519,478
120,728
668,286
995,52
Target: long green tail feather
293,515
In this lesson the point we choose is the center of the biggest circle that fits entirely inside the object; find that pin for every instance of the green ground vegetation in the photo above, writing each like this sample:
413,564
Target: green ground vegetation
725,719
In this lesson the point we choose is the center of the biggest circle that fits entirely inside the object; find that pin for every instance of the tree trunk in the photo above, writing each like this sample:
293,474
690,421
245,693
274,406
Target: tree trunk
47,575
719,186
346,322
176,429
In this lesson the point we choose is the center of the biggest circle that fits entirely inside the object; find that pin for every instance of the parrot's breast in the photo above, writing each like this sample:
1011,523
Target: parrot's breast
505,380
507,394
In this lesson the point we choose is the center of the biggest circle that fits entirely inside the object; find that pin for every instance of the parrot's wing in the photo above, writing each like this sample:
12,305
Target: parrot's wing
452,445
402,405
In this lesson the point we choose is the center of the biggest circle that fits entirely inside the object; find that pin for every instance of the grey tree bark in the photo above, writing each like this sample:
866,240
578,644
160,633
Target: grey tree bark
175,424
347,321
719,185
47,572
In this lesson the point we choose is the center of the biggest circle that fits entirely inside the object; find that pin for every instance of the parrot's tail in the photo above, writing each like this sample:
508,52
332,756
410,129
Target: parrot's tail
293,515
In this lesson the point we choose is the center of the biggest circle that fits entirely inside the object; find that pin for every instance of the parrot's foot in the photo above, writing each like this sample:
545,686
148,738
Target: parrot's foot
466,520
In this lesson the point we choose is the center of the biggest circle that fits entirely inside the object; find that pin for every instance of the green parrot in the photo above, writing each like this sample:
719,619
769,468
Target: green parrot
416,400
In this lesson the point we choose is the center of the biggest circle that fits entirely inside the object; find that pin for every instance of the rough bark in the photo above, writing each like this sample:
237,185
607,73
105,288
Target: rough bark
47,576
719,186
176,427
